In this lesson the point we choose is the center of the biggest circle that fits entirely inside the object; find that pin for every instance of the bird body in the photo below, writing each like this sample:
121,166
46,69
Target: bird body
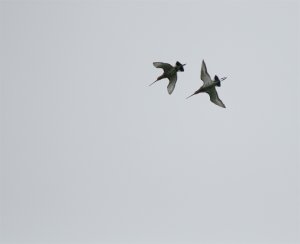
170,72
209,86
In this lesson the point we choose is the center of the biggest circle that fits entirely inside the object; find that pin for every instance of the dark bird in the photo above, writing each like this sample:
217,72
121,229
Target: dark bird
209,86
170,72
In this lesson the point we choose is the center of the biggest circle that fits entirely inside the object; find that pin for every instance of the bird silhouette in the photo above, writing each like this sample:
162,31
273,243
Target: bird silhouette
209,86
170,72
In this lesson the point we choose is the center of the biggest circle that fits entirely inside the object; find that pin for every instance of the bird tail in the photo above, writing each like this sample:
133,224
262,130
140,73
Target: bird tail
217,80
180,66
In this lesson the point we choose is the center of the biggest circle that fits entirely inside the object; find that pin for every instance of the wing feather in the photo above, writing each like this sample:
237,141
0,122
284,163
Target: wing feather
172,83
165,66
205,77
215,98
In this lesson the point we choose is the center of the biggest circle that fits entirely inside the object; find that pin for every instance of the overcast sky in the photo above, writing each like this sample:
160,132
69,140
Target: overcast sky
91,154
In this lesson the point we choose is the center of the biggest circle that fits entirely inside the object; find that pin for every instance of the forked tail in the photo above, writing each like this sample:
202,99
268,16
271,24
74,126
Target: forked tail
218,81
180,66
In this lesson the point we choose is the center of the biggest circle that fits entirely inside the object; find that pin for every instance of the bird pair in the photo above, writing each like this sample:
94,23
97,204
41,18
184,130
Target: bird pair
209,85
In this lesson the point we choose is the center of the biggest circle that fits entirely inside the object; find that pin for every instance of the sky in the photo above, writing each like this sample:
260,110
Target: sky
90,153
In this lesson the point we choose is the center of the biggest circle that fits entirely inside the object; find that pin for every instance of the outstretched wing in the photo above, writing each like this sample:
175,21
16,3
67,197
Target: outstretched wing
215,98
204,74
172,83
166,67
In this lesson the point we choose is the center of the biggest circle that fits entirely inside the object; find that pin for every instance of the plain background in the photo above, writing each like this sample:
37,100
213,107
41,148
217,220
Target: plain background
91,154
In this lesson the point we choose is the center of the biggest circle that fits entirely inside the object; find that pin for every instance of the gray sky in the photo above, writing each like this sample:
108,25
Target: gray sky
91,154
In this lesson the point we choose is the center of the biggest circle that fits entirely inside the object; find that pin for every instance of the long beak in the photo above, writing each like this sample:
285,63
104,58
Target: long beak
223,78
152,83
190,95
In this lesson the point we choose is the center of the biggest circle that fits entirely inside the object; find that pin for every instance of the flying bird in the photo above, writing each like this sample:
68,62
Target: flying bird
209,86
170,72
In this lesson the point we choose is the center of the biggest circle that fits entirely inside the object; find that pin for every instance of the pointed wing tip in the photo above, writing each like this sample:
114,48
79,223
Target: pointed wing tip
220,103
156,64
170,89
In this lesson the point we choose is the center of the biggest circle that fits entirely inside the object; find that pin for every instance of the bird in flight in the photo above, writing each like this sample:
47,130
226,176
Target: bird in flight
209,86
170,72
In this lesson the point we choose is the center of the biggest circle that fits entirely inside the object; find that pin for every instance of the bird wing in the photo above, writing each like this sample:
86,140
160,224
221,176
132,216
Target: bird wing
204,74
212,92
166,67
172,83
